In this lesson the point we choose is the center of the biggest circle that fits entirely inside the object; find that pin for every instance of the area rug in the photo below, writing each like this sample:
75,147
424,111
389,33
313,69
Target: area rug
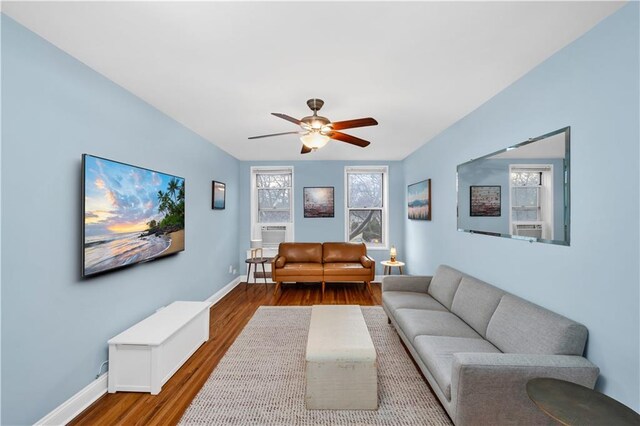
261,380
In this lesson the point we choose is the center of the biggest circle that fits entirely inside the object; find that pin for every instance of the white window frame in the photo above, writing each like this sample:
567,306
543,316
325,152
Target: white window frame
545,198
256,230
385,203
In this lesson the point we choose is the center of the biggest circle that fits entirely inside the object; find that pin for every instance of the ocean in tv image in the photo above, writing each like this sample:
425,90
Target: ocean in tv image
131,214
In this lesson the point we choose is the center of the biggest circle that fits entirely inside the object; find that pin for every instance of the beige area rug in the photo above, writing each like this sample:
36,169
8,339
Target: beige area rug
261,381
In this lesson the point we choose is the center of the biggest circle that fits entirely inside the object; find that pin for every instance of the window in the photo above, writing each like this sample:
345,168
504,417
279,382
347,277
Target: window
525,195
531,200
271,197
366,205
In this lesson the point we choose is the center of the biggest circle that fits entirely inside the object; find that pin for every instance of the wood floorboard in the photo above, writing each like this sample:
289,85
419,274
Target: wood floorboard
228,318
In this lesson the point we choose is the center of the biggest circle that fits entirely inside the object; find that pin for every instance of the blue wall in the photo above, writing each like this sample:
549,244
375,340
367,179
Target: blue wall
591,85
326,173
54,325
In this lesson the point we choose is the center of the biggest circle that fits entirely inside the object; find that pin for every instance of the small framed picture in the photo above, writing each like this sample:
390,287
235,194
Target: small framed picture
485,200
219,190
318,202
419,200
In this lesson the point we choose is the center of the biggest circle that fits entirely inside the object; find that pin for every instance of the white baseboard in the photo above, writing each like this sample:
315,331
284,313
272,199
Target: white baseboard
215,298
378,278
69,409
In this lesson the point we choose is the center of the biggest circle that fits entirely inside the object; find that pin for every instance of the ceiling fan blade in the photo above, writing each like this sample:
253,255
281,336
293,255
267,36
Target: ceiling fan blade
350,124
305,149
287,117
276,134
348,139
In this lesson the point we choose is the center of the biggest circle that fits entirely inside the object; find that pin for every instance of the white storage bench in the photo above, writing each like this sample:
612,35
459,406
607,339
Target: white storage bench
341,365
144,357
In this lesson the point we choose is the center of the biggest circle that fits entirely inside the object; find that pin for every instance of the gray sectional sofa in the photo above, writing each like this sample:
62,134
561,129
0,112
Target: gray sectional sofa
478,345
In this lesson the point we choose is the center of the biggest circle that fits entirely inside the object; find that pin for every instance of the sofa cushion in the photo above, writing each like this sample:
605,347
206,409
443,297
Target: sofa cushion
346,268
301,252
343,252
408,299
436,352
416,322
444,285
475,302
296,269
518,326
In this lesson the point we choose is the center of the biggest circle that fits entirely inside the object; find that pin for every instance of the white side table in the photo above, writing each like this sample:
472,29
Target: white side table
388,265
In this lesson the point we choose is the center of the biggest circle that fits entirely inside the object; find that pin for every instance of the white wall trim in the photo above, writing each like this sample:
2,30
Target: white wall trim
69,409
215,298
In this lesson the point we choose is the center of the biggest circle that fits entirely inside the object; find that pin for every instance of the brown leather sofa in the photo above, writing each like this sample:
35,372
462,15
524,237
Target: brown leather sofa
322,262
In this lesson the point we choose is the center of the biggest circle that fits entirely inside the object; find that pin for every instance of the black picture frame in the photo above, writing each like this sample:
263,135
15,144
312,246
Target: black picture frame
318,201
419,198
218,195
485,200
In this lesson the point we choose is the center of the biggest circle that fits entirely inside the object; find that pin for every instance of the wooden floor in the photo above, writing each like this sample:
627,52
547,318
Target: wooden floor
228,318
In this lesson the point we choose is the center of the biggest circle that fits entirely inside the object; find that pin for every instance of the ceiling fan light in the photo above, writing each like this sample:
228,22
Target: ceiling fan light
314,140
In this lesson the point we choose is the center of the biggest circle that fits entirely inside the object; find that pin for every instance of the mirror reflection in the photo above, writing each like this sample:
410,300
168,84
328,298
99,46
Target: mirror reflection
518,192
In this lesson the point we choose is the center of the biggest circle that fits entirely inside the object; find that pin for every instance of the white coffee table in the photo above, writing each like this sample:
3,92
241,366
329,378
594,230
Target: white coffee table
341,365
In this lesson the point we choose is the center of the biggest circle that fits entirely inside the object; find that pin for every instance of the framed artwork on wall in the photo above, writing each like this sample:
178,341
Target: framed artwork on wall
218,197
485,200
419,200
318,202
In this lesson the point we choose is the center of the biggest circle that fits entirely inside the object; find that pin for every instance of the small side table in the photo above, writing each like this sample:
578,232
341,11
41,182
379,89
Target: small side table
257,261
572,404
388,265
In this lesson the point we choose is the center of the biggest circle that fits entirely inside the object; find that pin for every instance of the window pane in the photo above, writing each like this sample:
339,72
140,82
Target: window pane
526,178
365,190
365,226
273,181
273,216
525,215
273,199
525,197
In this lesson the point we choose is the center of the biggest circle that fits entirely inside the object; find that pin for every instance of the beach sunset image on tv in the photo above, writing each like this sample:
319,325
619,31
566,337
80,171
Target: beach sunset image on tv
131,214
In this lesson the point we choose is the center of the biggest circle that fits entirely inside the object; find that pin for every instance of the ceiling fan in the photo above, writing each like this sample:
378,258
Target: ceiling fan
317,130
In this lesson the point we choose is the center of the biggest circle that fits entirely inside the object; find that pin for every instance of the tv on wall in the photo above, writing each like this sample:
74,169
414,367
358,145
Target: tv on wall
131,215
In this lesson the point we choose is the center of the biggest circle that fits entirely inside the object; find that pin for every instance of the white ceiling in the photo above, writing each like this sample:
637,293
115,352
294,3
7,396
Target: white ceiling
221,68
551,147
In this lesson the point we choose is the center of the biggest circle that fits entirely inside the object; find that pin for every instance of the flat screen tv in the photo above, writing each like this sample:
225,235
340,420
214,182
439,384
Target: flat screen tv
130,215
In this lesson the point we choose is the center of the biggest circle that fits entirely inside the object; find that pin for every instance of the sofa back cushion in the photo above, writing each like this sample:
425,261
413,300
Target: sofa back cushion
343,252
444,284
518,326
301,252
475,302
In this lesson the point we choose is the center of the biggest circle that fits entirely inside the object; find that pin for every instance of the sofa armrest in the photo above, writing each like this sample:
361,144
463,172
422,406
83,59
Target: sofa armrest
417,284
277,262
367,261
490,388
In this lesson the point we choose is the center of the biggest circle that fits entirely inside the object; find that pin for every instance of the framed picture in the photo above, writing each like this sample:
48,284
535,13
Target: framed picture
419,200
219,190
318,202
484,200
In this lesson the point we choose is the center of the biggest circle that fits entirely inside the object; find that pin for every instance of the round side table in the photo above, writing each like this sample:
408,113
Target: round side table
388,265
572,404
257,261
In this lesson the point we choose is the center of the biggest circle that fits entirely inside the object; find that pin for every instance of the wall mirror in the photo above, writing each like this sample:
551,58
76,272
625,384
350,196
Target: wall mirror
519,192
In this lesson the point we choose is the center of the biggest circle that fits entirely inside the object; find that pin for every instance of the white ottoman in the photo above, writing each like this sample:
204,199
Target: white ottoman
341,363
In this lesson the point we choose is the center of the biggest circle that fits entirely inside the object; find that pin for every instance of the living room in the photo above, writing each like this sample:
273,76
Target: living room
117,81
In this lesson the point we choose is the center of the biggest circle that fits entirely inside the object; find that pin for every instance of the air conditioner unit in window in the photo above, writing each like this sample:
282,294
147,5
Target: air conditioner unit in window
273,235
528,230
